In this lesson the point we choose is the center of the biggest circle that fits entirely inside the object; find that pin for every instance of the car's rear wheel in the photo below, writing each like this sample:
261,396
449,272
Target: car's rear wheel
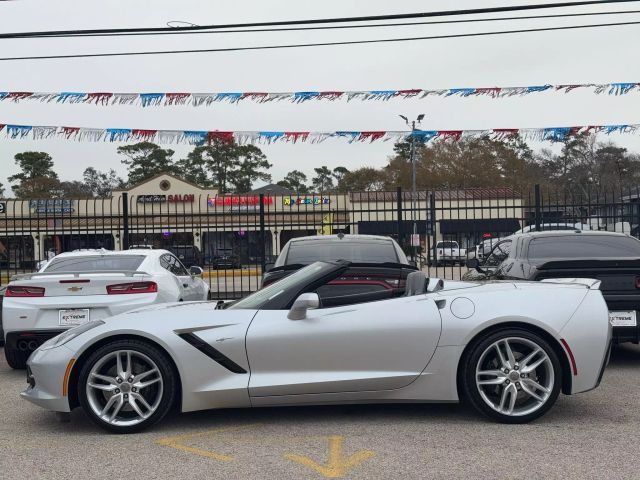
127,385
15,358
512,376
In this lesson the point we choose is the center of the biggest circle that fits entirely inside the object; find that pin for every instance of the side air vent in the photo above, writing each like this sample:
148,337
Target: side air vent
211,352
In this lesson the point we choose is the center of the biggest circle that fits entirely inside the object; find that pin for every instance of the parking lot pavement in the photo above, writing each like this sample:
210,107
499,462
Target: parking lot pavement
593,435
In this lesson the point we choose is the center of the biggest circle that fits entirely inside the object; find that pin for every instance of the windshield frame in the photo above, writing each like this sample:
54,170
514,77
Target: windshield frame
281,294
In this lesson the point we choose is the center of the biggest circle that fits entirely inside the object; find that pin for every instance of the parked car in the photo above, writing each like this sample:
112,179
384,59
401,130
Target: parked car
383,264
448,251
2,290
225,258
188,254
77,287
507,348
611,258
555,226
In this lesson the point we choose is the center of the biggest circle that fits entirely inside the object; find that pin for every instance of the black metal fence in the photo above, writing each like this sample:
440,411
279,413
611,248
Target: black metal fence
233,237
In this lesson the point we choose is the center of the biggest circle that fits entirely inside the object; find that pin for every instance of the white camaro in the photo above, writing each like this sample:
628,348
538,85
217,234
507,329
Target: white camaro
77,287
507,348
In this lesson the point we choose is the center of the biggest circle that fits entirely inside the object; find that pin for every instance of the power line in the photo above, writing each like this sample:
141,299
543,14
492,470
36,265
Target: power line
369,18
323,44
341,27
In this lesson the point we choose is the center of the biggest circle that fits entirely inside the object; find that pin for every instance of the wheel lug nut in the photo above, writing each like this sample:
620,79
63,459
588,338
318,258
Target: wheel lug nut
130,379
126,396
516,367
134,389
523,375
117,390
119,380
507,382
506,370
518,384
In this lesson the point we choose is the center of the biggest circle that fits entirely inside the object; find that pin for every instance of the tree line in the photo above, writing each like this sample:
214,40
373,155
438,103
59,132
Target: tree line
579,165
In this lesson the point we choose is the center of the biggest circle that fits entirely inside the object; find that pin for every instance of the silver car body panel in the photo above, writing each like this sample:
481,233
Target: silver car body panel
399,350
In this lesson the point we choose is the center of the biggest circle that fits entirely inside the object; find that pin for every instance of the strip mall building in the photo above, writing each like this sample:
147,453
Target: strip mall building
168,211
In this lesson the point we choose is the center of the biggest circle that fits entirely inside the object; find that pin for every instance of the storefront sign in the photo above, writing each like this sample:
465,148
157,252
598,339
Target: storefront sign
291,201
3,207
180,198
55,205
237,200
152,198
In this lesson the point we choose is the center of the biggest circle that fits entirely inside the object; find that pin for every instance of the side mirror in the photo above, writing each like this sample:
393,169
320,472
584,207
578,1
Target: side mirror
303,303
475,264
268,266
195,271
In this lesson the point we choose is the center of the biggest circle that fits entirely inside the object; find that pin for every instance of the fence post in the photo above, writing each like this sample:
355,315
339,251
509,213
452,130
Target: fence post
399,213
538,213
432,231
125,221
262,233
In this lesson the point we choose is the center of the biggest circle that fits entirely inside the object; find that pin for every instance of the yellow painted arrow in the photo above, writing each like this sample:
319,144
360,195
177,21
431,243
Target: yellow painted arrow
338,465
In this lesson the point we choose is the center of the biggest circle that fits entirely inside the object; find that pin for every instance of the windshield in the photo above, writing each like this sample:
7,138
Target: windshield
584,246
295,280
356,252
112,263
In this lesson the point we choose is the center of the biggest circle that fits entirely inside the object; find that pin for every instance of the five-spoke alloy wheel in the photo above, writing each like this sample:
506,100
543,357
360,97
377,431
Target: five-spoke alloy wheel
512,375
127,385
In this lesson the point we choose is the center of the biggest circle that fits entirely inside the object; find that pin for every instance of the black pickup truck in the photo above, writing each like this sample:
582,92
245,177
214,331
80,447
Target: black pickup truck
612,258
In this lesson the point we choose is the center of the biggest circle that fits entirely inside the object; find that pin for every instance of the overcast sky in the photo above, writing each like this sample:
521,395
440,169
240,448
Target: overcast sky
578,56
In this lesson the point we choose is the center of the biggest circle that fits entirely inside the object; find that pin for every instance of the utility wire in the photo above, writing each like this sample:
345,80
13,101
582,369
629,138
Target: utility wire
341,27
369,18
323,44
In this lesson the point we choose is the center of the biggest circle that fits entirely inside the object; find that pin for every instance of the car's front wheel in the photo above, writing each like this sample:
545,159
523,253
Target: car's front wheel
512,376
127,385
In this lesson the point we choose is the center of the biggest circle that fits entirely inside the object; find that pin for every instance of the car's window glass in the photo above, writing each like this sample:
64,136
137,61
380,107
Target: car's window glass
585,246
95,263
357,252
177,268
498,254
447,245
300,278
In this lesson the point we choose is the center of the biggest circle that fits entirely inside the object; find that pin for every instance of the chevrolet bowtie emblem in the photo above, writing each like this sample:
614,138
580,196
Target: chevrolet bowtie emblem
74,289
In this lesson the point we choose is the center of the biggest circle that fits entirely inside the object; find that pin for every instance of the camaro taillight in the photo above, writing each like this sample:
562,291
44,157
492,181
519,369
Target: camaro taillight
16,291
133,287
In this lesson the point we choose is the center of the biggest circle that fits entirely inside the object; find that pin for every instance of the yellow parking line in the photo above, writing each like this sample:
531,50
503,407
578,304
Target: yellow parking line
176,442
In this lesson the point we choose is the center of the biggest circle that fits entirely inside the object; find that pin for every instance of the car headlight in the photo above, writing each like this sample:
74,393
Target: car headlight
69,335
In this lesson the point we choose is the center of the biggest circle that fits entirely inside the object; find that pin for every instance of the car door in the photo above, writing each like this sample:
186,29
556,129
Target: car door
183,279
369,346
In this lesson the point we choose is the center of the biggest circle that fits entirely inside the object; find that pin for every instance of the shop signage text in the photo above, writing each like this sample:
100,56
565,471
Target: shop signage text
291,201
3,207
235,200
177,198
56,205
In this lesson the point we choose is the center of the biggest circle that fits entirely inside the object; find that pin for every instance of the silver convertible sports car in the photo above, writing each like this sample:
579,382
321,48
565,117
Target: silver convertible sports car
508,349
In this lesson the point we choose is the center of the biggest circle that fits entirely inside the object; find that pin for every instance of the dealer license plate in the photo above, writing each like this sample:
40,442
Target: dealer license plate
75,316
623,319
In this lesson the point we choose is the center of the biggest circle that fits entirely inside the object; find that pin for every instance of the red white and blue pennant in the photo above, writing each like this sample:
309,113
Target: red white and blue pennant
202,137
208,99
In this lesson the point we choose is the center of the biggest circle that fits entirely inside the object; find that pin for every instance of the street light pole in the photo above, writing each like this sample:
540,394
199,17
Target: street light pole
412,159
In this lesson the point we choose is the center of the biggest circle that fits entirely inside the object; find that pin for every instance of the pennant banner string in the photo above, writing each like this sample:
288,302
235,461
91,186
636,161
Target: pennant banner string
203,137
208,99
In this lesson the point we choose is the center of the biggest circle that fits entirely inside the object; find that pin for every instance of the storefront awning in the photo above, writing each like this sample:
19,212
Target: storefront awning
480,225
390,227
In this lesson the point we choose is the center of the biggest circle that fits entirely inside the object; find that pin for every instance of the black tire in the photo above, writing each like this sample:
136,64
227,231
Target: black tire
15,358
470,391
167,372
